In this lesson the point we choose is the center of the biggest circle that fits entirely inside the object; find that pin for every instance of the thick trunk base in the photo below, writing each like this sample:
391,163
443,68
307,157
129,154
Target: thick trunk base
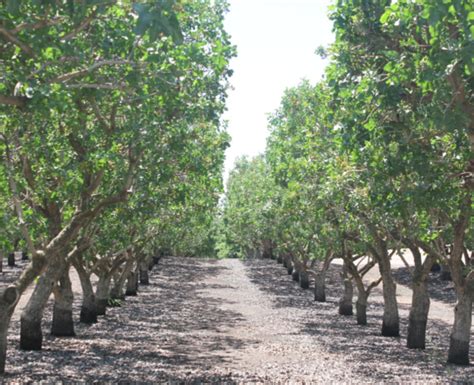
280,259
435,268
319,290
445,274
416,334
11,260
144,278
3,353
458,352
304,280
390,330
131,292
88,315
63,324
295,276
345,308
132,284
290,270
31,336
361,314
101,306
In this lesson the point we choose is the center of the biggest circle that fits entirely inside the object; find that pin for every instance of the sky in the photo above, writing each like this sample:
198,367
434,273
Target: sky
276,41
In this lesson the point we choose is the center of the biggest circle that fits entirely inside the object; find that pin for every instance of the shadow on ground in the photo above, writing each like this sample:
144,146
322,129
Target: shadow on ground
168,333
376,357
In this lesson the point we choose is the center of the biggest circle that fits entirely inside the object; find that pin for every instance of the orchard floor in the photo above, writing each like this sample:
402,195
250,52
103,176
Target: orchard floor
228,321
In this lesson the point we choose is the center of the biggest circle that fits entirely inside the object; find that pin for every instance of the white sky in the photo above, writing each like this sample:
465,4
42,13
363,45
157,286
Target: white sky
276,41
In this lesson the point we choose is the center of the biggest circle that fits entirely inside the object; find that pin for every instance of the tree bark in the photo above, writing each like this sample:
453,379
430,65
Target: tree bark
461,332
445,274
144,277
295,275
88,308
11,259
418,317
63,324
320,278
320,287
117,292
361,307
102,293
8,298
420,304
345,303
132,283
289,265
304,280
31,336
391,321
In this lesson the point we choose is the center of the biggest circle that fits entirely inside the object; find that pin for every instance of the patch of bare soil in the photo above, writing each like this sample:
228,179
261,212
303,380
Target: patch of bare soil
206,321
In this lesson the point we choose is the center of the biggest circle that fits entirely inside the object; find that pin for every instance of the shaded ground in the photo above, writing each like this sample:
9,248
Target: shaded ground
232,322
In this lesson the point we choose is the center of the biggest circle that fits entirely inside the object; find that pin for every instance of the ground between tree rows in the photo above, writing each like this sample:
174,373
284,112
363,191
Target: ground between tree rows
232,321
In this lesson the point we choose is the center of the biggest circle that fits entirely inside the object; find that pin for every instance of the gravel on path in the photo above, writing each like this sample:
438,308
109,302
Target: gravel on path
228,321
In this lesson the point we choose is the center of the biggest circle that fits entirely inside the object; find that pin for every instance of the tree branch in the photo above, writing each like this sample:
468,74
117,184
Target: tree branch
80,27
8,36
17,101
16,200
71,75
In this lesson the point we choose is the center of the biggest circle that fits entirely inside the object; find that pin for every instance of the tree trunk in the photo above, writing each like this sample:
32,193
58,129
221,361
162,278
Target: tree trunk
279,259
445,274
345,303
418,317
132,283
144,277
391,322
102,293
8,299
289,265
11,259
63,324
285,262
320,287
88,307
118,291
295,275
304,280
31,336
436,268
461,332
361,307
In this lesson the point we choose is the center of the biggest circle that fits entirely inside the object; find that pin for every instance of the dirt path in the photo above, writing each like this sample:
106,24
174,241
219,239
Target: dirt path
233,322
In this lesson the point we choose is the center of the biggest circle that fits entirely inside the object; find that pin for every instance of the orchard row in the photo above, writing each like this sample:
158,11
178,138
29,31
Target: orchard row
375,160
111,145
